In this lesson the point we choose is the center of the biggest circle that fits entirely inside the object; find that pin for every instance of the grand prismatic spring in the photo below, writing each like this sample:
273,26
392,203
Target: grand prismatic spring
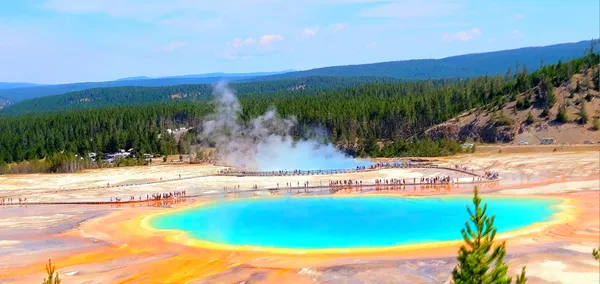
325,222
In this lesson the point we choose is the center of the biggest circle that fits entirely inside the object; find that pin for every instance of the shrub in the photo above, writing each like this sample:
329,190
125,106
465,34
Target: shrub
588,97
545,112
530,120
562,116
583,116
596,124
502,120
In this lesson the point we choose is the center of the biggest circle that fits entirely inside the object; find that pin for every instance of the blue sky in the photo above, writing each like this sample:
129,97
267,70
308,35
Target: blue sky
60,41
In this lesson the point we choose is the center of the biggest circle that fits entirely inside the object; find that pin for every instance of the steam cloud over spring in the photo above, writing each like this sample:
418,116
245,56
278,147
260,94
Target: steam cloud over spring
265,143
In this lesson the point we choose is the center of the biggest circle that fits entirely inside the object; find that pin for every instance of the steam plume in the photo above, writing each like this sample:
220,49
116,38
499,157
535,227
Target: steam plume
265,143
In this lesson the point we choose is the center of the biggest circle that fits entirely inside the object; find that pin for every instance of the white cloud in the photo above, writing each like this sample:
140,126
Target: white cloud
410,9
519,17
308,32
463,35
516,34
239,48
175,45
238,42
371,45
338,27
266,40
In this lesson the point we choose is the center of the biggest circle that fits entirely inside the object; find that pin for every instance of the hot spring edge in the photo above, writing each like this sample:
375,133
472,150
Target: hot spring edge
222,225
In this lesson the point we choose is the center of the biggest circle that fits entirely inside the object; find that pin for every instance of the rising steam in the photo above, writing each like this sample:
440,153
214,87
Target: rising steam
265,143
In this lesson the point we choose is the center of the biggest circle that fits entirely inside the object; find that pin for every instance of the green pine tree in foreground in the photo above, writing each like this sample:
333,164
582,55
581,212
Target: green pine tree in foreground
596,254
52,277
476,265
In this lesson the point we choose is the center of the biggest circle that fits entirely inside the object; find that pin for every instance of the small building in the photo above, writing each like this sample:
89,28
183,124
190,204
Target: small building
547,141
467,145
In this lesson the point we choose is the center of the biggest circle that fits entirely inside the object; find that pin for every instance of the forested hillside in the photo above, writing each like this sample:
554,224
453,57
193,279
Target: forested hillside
462,66
23,91
30,92
142,95
356,118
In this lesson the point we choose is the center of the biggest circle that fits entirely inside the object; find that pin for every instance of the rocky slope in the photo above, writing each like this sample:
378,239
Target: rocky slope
510,123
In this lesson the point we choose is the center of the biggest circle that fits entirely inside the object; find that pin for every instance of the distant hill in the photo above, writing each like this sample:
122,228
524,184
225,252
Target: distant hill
462,66
209,75
133,78
10,85
230,75
26,92
136,95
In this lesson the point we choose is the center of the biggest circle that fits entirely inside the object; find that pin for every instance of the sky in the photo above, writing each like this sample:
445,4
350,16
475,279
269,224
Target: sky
62,41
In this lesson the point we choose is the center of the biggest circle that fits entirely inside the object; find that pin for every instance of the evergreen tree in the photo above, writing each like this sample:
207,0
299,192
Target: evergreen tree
596,124
527,102
545,113
583,116
530,120
3,167
562,116
588,97
550,96
476,265
596,254
596,79
52,275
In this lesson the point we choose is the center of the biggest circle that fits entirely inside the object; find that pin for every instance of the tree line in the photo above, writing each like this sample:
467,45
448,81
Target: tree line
357,118
136,95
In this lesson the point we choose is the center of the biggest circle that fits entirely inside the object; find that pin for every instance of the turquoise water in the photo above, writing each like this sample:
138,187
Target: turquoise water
345,222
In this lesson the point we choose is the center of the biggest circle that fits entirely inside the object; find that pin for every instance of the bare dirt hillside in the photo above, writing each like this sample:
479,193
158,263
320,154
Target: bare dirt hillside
483,125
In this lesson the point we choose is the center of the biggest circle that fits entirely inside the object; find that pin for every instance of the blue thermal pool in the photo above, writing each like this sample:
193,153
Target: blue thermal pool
345,222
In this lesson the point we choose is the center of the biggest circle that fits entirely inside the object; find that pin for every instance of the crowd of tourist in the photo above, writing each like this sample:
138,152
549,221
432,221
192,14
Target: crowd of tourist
235,188
376,166
300,172
344,182
490,175
436,180
154,196
10,200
